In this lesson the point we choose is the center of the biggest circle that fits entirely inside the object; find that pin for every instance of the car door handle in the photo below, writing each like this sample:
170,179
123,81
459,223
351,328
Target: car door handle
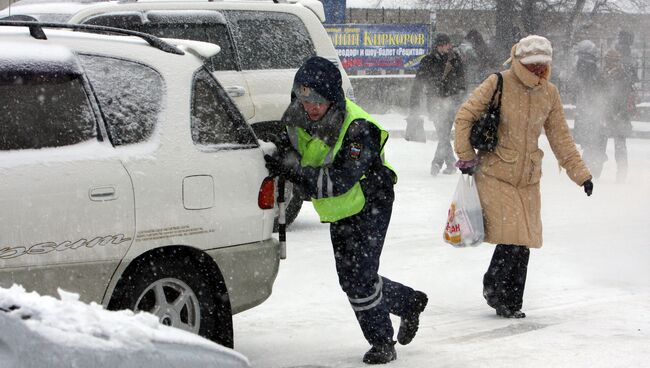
235,91
101,194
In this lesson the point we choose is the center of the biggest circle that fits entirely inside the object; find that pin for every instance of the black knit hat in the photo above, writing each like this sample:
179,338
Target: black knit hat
441,39
324,77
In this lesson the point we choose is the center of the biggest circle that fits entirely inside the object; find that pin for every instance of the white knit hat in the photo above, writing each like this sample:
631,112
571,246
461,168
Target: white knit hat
534,49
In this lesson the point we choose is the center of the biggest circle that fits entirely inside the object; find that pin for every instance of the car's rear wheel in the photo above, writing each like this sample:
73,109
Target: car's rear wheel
173,302
176,291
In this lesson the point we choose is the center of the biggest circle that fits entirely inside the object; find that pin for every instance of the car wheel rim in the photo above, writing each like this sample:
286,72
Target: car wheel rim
173,302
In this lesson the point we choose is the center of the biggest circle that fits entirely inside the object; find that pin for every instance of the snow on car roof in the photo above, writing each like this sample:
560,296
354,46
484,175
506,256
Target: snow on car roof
69,323
20,58
68,315
62,10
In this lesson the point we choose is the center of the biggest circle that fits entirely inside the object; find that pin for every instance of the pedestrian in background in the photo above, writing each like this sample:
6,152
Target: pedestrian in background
334,151
478,58
624,47
441,76
508,179
618,88
589,128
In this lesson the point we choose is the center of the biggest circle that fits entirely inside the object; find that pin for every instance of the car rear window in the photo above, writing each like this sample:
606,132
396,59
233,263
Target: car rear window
130,96
215,118
270,40
213,33
44,110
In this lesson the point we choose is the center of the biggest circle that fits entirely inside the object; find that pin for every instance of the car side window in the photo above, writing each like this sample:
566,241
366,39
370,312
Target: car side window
44,110
270,40
199,25
215,118
130,96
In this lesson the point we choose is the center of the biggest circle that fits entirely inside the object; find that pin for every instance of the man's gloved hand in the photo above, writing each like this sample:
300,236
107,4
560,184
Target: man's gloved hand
279,166
588,187
468,167
274,165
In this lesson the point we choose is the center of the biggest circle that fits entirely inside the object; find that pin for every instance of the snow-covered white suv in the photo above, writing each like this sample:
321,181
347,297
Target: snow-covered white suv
128,175
263,43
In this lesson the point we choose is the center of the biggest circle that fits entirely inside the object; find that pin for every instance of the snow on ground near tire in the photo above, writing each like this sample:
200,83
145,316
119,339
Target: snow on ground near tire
587,295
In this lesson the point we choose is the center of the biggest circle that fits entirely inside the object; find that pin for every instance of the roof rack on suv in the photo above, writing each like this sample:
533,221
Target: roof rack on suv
36,31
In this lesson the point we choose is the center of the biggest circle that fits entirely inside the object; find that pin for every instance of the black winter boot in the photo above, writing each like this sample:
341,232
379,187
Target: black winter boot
410,322
506,312
380,354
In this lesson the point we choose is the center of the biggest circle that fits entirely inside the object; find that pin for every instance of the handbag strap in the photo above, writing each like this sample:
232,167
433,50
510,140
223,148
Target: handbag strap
498,90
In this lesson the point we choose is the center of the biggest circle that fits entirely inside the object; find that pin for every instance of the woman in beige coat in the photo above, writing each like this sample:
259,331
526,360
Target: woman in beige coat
508,178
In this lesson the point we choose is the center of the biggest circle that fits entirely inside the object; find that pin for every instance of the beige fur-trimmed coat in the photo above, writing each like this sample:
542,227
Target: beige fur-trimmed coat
508,179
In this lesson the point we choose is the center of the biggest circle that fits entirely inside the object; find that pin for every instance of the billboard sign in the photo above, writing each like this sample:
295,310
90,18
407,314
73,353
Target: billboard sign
379,46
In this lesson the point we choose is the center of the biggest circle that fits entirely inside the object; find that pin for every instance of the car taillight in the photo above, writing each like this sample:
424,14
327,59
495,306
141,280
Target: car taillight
266,197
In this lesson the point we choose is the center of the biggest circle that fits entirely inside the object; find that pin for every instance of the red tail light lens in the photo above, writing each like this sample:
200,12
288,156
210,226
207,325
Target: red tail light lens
266,196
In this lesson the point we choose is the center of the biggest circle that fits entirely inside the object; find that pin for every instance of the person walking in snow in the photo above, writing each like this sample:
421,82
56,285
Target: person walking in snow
478,58
442,76
619,86
334,151
589,128
508,179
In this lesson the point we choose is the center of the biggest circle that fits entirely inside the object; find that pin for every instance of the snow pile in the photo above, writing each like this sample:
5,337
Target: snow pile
42,329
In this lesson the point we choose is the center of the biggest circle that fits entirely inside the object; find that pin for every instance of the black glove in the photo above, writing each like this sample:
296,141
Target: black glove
280,167
588,186
468,170
274,165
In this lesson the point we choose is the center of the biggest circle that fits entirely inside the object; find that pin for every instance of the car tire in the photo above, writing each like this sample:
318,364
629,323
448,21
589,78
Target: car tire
155,284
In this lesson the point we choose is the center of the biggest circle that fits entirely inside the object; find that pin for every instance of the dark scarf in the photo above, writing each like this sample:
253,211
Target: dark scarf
326,129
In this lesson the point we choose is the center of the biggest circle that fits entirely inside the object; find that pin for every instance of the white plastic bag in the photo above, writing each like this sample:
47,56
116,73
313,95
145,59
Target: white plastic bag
465,217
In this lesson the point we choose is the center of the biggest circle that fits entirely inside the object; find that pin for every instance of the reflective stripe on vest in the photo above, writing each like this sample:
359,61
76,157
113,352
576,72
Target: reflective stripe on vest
315,153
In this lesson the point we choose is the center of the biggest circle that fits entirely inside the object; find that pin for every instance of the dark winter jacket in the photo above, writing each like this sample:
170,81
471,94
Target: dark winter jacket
439,75
479,62
618,89
590,101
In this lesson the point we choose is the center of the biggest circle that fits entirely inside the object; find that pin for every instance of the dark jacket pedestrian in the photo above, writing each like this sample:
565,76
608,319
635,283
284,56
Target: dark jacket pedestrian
508,179
624,47
589,128
441,80
441,73
333,150
618,87
478,58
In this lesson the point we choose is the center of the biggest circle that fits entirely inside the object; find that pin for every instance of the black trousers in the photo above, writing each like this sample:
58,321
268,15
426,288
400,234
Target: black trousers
505,279
357,243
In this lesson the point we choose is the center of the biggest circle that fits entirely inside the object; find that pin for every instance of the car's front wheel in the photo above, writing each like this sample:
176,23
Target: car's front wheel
176,291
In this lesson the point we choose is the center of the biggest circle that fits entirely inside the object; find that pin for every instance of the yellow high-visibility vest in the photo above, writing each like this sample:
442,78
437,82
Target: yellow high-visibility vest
315,153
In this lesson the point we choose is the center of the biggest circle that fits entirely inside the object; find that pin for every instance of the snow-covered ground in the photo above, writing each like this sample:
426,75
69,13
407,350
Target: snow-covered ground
587,296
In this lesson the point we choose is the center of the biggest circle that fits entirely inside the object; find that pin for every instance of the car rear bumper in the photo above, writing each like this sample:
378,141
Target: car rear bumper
249,271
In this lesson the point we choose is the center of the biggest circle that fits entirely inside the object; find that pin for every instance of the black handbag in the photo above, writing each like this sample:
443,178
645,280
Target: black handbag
483,136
